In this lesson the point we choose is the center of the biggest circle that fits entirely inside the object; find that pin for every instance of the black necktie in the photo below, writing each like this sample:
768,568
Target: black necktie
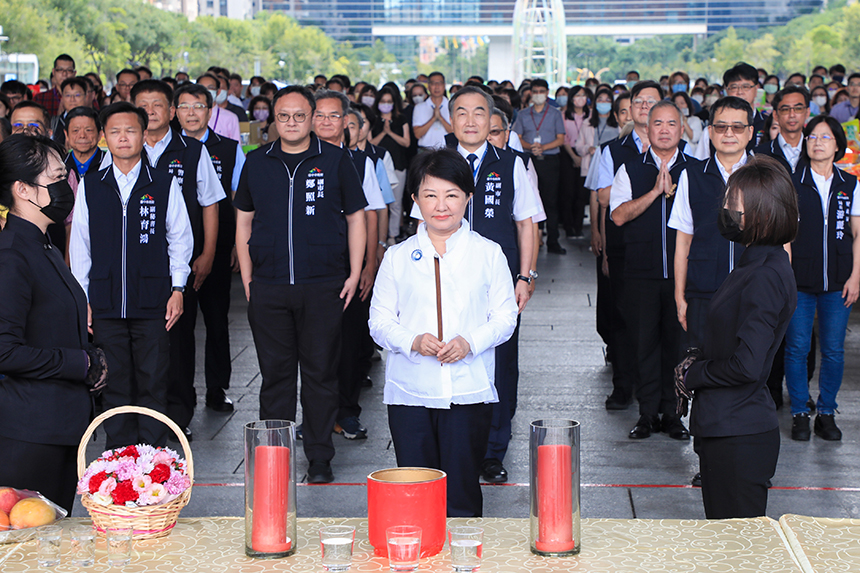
472,159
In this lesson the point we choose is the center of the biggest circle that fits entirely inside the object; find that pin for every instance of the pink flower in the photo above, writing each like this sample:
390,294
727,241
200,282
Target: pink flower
177,483
126,469
162,457
153,495
107,486
141,483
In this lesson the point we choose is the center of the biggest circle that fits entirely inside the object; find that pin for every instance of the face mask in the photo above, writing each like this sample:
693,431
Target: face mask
418,99
368,100
685,112
62,201
729,224
838,78
771,88
386,107
677,88
831,93
697,98
630,84
221,97
665,87
538,99
820,101
603,107
562,101
261,114
255,91
711,100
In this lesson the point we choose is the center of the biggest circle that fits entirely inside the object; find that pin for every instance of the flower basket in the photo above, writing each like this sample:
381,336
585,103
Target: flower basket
148,521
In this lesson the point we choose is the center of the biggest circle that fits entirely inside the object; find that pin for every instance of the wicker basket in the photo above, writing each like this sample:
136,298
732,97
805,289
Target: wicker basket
149,521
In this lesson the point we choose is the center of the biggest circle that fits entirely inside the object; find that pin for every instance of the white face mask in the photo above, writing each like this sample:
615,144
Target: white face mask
538,99
697,98
368,100
255,91
685,112
219,97
820,101
418,99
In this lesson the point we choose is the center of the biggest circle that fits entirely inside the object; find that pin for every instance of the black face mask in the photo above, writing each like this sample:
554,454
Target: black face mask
62,201
729,224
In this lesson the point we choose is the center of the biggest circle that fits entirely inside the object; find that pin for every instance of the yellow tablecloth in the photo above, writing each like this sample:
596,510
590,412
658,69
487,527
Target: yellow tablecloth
822,544
216,545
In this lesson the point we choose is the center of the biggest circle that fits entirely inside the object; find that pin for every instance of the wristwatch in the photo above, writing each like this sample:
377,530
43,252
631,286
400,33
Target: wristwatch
178,289
533,274
524,278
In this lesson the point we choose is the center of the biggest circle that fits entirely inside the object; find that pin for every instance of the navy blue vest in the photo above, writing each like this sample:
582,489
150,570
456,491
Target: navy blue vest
823,265
622,150
711,257
649,242
222,151
180,159
130,274
772,149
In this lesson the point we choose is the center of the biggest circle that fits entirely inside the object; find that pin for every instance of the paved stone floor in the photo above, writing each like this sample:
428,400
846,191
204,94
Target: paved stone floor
562,374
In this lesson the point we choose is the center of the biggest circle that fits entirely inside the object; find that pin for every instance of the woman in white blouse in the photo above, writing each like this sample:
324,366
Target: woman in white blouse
439,392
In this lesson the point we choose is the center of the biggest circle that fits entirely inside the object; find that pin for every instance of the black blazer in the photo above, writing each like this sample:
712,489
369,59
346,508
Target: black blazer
43,329
747,319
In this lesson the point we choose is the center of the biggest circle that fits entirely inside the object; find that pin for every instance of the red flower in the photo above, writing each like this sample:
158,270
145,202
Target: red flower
129,451
96,481
160,473
124,492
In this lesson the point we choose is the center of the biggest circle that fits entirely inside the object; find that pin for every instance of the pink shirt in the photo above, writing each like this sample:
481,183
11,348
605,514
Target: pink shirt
225,123
571,129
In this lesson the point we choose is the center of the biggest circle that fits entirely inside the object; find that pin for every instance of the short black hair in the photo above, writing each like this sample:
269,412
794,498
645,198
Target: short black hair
446,164
437,73
152,86
235,76
181,72
835,127
123,107
5,128
170,81
76,81
195,90
268,87
644,85
295,89
740,71
332,94
64,58
501,104
211,76
333,81
30,103
365,109
788,90
476,78
82,111
837,68
854,76
632,72
318,76
143,69
732,102
23,158
127,71
797,74
539,83
16,87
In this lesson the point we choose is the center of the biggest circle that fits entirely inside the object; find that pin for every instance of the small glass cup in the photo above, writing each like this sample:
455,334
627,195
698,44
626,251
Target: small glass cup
83,548
119,541
50,537
336,544
466,548
404,547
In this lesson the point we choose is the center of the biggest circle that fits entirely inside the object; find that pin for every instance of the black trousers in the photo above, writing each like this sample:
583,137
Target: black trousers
571,204
49,469
548,167
507,380
353,361
735,471
299,326
214,300
657,332
603,304
453,441
697,322
625,369
137,351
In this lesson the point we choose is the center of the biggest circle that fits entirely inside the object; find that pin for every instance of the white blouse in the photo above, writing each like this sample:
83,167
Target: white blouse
477,303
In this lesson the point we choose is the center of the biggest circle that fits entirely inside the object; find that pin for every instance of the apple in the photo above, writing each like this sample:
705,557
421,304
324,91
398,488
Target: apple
31,512
4,521
8,498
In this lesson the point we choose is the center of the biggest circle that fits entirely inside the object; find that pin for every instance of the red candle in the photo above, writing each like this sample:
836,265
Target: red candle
555,502
271,484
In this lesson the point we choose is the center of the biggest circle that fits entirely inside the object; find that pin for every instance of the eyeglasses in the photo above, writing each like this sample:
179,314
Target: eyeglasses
734,127
735,88
299,117
73,96
639,102
64,70
854,84
26,125
190,106
797,109
125,85
496,132
827,138
330,117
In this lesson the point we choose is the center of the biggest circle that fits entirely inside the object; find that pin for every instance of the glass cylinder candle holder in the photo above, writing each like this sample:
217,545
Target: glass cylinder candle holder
270,489
554,487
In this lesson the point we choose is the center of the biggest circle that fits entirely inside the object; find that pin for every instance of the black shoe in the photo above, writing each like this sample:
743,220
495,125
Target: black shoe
188,435
644,427
617,402
800,427
320,472
825,428
219,402
493,471
673,426
697,480
556,249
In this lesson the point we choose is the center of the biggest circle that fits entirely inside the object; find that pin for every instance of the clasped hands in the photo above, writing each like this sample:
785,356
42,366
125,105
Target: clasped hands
664,183
428,345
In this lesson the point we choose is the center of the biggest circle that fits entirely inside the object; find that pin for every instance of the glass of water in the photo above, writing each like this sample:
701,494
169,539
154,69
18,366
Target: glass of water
83,549
119,546
50,537
336,543
466,548
404,547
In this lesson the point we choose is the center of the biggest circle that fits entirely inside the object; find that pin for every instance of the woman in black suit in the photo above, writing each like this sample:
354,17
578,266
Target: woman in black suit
733,415
50,371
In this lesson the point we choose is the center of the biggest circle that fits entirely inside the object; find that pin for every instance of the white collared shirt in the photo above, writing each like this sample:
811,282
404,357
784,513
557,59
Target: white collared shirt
180,240
792,154
423,112
209,190
607,165
823,185
622,190
477,303
681,218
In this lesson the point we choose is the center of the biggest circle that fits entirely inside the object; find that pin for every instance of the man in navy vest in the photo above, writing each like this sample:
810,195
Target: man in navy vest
300,214
193,105
791,110
130,246
186,159
640,201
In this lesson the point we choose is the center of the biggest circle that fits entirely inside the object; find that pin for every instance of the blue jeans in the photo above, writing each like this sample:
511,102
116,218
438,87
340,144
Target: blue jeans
832,323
